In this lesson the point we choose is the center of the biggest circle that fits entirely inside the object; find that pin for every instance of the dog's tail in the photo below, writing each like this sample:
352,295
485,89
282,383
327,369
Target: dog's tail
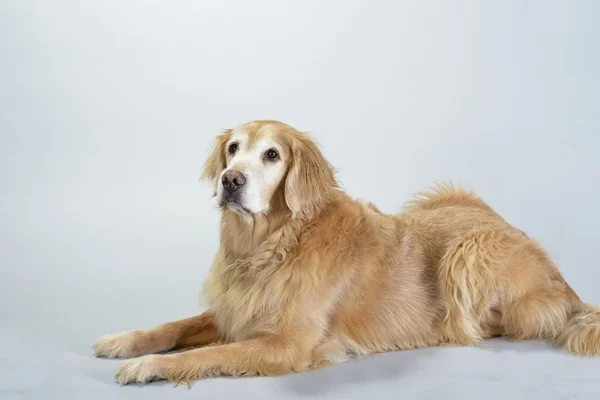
581,334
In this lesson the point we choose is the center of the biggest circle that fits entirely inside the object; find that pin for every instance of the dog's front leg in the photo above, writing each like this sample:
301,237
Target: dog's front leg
194,331
260,356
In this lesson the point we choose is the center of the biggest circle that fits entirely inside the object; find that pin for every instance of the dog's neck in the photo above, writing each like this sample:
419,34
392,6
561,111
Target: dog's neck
241,235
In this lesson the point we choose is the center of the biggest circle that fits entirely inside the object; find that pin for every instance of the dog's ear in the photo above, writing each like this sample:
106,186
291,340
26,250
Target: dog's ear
310,179
216,160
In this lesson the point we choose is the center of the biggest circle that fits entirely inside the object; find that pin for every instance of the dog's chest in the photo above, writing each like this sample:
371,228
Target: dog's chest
245,306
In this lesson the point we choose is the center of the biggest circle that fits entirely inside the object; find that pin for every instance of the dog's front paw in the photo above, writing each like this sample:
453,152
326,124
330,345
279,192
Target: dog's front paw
141,370
122,345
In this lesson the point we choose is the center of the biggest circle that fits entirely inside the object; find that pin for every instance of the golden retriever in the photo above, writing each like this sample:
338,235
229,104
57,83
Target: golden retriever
306,276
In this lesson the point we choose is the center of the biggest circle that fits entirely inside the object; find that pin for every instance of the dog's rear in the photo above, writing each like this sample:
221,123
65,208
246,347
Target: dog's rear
495,279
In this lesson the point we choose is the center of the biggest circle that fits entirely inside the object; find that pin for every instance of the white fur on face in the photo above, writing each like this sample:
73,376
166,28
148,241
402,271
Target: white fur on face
262,175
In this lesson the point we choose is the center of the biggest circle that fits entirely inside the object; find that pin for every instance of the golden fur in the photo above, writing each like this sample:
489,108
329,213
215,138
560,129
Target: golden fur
320,277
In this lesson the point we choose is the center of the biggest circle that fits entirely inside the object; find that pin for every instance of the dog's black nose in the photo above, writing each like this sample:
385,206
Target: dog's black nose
233,180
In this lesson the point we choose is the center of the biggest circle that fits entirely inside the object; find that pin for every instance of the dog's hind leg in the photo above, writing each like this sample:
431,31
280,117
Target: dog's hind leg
468,282
503,283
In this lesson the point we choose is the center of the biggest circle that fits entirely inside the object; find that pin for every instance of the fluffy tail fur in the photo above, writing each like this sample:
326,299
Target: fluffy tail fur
581,335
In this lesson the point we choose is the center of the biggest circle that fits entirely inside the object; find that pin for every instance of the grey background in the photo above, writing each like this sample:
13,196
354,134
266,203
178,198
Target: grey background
108,108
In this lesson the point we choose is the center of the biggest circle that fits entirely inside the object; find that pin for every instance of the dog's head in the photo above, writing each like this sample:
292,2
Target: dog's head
262,166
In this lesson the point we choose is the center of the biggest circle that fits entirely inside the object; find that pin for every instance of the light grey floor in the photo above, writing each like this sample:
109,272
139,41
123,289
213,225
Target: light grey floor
78,268
34,366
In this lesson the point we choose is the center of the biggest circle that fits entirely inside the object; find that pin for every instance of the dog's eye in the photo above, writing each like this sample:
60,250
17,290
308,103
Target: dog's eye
232,148
272,155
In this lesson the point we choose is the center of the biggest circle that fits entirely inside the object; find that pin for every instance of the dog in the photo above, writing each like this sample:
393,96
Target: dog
306,277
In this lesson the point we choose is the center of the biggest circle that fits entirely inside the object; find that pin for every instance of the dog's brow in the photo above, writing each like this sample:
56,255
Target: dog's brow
265,143
238,137
253,137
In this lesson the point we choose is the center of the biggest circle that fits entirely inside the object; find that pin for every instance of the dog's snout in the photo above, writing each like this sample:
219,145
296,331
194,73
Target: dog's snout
233,180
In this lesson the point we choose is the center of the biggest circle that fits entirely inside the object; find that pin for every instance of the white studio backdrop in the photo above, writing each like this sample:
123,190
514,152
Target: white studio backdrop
108,110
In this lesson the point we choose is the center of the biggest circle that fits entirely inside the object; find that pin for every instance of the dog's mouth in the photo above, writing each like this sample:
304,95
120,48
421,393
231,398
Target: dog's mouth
234,205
